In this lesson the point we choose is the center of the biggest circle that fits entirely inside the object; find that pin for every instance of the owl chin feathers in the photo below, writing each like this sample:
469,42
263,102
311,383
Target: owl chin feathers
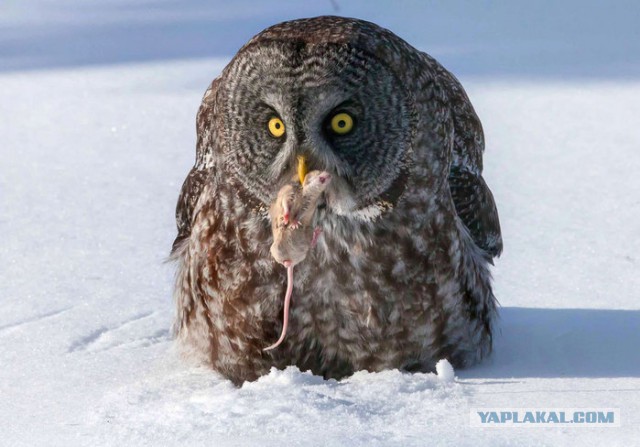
342,202
345,205
339,197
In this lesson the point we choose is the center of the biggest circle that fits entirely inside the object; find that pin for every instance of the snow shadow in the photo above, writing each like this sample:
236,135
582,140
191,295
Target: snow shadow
573,38
555,343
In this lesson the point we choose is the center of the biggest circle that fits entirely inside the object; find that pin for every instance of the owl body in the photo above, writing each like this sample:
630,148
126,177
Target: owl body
399,277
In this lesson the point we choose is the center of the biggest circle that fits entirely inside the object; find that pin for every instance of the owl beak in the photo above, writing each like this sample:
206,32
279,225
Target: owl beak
302,168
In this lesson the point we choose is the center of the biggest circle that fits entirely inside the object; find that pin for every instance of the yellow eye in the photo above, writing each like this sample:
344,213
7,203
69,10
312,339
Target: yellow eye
276,127
342,123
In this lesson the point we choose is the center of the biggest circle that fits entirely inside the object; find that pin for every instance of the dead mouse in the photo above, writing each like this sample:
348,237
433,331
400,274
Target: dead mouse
293,235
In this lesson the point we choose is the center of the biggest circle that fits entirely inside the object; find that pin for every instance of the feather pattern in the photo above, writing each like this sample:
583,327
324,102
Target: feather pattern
400,276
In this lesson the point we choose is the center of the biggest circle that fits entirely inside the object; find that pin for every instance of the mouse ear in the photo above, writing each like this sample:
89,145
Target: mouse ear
325,177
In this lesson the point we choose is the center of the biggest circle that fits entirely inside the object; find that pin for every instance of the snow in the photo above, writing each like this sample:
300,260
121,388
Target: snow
97,133
288,405
445,371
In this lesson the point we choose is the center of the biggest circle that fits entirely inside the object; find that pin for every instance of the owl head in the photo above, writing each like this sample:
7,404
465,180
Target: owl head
325,90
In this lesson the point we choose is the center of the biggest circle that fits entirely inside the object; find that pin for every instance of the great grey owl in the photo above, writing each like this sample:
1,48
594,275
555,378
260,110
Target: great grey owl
400,276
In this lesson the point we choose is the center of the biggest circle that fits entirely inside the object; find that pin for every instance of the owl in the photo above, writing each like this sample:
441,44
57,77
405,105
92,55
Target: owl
399,277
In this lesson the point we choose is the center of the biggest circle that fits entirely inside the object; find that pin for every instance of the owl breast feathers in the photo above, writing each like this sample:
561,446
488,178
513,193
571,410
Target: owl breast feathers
399,277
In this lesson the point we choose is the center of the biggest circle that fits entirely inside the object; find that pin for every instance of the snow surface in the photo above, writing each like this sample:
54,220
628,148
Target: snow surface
445,371
94,146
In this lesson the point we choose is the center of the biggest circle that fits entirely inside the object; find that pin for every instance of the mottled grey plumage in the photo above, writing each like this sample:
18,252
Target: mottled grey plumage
400,277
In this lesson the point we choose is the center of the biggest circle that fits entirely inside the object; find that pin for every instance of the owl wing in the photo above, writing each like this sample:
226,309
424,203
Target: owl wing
189,194
471,196
476,209
202,171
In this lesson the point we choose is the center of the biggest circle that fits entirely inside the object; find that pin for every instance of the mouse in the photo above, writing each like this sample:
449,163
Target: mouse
293,233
